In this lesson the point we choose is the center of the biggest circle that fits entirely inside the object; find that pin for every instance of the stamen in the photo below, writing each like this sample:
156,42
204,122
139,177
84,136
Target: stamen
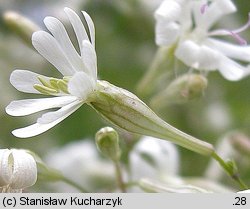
43,81
244,27
62,85
53,82
233,33
45,90
239,39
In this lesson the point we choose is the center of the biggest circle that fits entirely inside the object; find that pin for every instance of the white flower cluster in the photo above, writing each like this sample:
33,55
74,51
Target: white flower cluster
186,25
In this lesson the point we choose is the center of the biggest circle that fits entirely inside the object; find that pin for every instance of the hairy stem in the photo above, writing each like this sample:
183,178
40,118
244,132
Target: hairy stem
119,178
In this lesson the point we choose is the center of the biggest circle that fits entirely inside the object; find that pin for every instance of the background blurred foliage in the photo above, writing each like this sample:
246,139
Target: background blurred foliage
125,47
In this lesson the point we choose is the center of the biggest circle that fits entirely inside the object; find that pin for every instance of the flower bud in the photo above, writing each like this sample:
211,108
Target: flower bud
20,25
182,89
107,141
127,111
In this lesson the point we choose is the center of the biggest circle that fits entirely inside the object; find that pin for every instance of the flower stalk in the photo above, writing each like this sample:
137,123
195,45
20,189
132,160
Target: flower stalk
158,66
107,142
21,26
231,169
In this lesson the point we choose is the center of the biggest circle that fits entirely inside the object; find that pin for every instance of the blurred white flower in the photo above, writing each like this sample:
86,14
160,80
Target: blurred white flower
17,170
186,26
81,162
155,164
244,191
218,116
153,158
79,71
183,185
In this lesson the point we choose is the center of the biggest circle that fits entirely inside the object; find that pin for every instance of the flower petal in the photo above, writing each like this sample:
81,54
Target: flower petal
24,170
5,168
78,27
214,12
81,85
166,33
152,157
196,56
91,27
233,51
50,49
232,70
24,80
53,116
60,34
89,59
29,106
169,10
38,128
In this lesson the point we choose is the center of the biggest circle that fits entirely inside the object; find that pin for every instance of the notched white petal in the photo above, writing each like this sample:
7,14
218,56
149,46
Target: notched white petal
60,34
39,128
89,59
78,26
50,49
24,81
53,116
30,106
91,27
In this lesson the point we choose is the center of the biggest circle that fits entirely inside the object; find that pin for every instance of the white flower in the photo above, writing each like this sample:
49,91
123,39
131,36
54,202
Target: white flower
186,24
79,74
244,191
153,158
81,162
17,170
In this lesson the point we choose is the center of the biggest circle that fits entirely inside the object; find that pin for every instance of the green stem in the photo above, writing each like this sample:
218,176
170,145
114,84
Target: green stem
146,84
73,184
119,178
233,175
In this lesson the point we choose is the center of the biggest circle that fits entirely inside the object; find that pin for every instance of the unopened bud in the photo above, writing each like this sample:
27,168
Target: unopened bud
107,141
182,89
20,25
127,111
